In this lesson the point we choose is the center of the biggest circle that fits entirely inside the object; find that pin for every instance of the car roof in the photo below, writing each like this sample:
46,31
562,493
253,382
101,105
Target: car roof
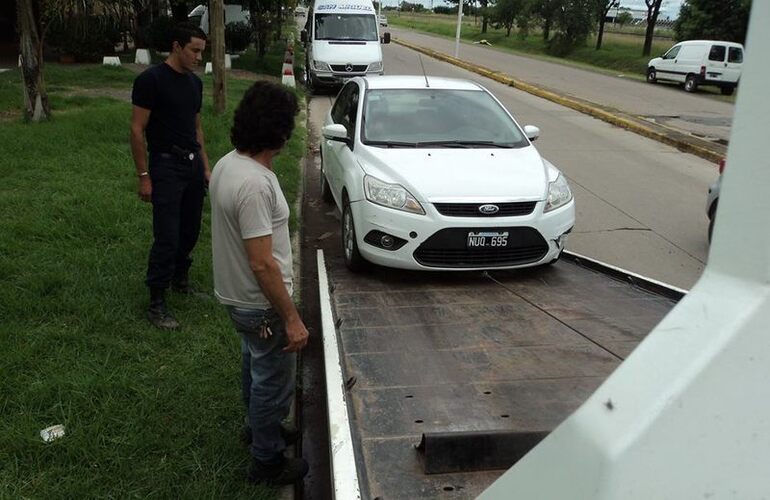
418,82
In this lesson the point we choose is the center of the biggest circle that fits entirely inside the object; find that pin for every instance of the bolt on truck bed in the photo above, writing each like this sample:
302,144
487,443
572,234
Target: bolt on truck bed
450,377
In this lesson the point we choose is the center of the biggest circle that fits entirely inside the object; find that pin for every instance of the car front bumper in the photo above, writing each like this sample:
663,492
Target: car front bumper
437,242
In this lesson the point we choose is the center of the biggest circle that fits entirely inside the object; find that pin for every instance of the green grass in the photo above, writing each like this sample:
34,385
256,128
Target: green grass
147,413
618,52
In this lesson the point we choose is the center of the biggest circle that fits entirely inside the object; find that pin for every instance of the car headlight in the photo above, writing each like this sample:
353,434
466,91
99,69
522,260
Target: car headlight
391,196
375,66
558,194
321,66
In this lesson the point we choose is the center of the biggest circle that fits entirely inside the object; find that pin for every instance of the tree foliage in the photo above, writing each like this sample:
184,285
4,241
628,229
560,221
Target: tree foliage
713,20
505,12
653,9
574,22
603,8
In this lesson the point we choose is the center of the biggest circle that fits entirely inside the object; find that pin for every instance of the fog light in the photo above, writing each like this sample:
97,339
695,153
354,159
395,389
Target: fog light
387,241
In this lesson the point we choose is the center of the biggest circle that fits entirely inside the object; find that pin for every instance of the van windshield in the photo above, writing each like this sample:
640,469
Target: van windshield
361,27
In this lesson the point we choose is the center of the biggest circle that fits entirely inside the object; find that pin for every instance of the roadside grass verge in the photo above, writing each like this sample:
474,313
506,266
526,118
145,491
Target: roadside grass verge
147,413
618,52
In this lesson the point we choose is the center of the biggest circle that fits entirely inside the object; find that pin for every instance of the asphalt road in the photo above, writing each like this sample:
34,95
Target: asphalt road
703,116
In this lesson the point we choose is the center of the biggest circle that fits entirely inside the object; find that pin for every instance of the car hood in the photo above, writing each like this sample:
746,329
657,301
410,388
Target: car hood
456,175
346,52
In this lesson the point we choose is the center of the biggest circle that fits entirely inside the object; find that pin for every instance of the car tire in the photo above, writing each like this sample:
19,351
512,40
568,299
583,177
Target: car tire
652,76
727,90
691,84
353,259
326,192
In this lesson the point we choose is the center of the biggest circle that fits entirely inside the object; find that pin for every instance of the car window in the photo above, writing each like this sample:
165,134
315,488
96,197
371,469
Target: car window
735,55
416,116
717,53
339,110
352,111
673,51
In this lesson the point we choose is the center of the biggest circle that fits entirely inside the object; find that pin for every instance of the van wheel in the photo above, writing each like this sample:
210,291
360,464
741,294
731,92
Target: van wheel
727,90
651,76
691,84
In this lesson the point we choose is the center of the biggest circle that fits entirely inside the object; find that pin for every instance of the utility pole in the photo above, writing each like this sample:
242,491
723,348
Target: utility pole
217,29
459,23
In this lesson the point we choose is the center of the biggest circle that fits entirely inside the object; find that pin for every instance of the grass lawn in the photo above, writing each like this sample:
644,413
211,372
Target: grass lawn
618,53
147,413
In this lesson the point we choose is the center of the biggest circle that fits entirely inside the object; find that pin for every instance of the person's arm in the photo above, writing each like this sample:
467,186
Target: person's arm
204,156
268,273
139,119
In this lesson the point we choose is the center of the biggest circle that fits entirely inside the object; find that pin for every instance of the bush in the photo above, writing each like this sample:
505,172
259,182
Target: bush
159,33
87,38
238,36
444,10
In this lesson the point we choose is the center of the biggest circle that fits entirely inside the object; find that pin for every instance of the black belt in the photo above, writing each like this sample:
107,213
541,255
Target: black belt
177,154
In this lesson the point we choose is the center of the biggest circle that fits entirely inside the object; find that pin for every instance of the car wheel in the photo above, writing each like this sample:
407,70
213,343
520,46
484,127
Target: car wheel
727,90
326,192
652,77
353,259
691,84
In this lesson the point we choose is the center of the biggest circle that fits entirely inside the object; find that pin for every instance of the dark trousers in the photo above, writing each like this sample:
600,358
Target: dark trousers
178,188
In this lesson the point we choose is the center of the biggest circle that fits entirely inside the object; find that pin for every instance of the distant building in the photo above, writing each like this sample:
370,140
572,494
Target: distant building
639,17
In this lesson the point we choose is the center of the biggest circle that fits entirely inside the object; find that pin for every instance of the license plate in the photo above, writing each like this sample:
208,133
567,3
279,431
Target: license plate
487,239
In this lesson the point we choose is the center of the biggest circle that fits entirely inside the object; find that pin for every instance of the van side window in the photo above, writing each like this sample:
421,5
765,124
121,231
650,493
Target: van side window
735,55
672,52
717,53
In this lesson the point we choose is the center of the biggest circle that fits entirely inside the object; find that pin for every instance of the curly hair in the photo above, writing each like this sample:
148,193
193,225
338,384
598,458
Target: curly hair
264,119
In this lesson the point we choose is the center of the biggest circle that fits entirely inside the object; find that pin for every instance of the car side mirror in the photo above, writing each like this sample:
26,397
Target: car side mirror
303,36
385,37
336,132
531,132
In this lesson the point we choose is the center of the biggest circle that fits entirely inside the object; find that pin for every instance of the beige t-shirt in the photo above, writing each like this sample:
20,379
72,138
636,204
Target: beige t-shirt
246,202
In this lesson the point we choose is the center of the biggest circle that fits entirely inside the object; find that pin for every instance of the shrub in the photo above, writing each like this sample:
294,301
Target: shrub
238,36
87,38
159,33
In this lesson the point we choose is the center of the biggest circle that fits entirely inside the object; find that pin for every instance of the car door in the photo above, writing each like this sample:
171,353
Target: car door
665,69
339,154
716,62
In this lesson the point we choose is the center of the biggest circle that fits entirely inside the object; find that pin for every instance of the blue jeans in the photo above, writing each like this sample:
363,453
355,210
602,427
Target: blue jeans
268,377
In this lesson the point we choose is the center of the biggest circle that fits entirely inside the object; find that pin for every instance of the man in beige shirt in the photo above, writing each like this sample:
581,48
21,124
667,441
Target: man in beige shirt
253,273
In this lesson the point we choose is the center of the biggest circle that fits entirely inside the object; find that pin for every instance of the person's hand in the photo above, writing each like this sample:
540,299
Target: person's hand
297,334
145,188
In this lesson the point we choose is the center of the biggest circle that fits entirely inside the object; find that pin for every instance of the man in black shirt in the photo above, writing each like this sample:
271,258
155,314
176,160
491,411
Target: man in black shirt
167,103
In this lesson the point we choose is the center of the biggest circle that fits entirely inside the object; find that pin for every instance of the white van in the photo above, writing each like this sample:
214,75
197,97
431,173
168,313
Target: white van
699,62
234,13
342,40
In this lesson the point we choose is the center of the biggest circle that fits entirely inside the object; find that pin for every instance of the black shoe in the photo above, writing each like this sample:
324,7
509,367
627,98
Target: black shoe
290,435
160,317
284,471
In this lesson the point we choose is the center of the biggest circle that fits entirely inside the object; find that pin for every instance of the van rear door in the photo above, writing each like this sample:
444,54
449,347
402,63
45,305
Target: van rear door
716,62
734,64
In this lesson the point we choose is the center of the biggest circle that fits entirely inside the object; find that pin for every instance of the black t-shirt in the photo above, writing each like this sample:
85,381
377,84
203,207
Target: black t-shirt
173,99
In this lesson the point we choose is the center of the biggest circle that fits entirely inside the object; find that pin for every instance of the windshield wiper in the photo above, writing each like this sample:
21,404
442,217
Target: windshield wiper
464,144
393,144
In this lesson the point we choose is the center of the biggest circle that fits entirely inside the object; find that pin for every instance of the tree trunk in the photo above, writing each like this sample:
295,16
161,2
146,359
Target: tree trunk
546,29
279,23
508,30
601,34
36,106
217,37
652,18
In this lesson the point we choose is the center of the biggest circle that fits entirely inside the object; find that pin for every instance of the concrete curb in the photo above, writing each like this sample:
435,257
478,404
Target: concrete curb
679,140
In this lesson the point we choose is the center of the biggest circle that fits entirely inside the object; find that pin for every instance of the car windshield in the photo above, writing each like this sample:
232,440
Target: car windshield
437,118
360,27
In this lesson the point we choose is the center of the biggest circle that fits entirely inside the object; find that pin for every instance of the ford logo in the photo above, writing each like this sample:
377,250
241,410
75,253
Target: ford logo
489,209
349,67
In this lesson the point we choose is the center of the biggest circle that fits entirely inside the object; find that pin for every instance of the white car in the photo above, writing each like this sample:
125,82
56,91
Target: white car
435,174
383,20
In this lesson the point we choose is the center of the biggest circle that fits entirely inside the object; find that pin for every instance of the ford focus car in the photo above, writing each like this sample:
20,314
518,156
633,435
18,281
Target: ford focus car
435,174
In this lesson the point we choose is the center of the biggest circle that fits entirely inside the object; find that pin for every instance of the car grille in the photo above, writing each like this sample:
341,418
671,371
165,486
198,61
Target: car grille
448,248
472,209
357,68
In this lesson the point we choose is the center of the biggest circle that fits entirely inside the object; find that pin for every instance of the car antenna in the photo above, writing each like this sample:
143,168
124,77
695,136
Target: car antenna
427,85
